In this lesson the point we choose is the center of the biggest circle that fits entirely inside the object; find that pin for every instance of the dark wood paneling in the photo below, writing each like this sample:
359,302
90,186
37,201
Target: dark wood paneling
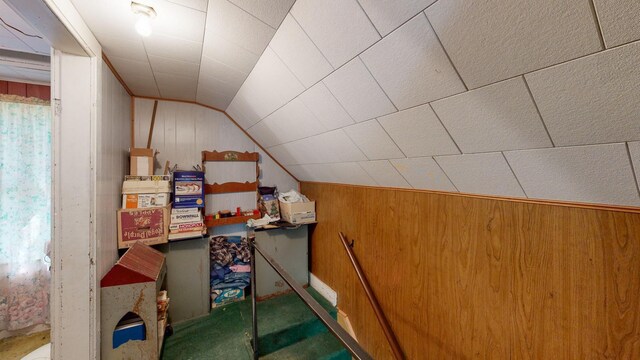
25,90
465,277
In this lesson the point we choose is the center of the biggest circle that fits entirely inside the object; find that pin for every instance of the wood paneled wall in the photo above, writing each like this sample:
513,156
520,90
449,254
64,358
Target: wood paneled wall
463,277
25,90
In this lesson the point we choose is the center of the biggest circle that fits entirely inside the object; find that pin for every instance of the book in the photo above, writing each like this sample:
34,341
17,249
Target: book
185,211
181,227
185,218
148,177
146,187
185,235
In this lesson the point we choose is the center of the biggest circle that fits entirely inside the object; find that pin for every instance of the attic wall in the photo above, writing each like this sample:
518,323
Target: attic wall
113,161
532,99
460,277
183,130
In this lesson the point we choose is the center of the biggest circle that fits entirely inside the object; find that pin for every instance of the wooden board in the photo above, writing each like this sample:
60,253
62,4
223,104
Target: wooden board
42,92
230,220
230,187
462,277
229,156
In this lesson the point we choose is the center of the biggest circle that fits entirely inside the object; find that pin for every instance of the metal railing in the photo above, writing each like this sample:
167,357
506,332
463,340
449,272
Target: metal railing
332,325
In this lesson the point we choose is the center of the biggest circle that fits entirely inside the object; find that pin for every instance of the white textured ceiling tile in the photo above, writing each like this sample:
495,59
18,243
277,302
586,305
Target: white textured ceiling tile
300,172
229,53
594,174
423,173
634,151
487,174
210,97
387,15
330,147
271,12
371,138
176,86
173,48
384,174
270,85
292,122
129,48
411,66
200,5
591,100
489,41
241,110
350,173
418,132
176,67
619,20
142,86
358,92
236,25
284,156
126,67
264,134
340,28
496,117
325,107
178,21
297,51
210,68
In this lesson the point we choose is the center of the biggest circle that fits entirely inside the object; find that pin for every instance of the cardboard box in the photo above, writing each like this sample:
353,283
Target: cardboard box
298,213
226,296
141,162
188,189
140,201
149,226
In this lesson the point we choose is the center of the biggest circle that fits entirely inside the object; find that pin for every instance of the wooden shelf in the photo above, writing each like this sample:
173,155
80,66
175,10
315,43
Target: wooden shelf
230,187
230,220
230,156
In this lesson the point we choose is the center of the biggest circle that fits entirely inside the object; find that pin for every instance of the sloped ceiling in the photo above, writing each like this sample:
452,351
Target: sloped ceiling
199,51
533,99
24,54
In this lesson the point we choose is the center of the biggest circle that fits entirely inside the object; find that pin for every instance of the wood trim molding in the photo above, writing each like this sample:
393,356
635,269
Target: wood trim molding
572,204
115,73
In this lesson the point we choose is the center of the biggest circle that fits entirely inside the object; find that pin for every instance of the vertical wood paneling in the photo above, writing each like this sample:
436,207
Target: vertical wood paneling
183,130
462,277
112,164
15,88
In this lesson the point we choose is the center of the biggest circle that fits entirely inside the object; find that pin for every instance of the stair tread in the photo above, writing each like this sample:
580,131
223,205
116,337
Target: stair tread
321,346
288,310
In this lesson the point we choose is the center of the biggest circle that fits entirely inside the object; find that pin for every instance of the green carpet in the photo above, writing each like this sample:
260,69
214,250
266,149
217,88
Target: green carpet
286,326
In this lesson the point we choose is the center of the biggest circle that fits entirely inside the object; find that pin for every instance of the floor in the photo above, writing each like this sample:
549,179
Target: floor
284,323
15,348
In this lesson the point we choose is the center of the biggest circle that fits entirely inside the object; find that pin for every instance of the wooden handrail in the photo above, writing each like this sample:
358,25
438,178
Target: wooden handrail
386,328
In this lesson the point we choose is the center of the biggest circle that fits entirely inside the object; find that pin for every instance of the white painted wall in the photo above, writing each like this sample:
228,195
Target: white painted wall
114,134
183,130
73,318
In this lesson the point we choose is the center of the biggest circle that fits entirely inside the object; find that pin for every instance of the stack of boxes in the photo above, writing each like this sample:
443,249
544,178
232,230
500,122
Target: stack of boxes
188,202
146,199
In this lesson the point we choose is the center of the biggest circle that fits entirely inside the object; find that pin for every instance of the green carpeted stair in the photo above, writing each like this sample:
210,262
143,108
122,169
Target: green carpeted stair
287,330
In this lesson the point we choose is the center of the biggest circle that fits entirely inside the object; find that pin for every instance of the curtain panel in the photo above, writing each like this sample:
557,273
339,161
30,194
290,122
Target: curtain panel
25,211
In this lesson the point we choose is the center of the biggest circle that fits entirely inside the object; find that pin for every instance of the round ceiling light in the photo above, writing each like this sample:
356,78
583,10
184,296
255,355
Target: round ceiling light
145,14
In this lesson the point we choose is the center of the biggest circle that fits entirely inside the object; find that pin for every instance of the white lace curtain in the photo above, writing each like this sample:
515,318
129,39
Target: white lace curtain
25,211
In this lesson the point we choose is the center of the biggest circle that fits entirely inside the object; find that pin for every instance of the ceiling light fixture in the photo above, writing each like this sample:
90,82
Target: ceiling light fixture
145,14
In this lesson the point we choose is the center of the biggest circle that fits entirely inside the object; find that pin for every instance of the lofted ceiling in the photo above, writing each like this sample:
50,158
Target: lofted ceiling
24,54
534,99
199,50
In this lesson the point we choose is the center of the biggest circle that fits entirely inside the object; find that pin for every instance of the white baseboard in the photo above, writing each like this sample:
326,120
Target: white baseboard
323,289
